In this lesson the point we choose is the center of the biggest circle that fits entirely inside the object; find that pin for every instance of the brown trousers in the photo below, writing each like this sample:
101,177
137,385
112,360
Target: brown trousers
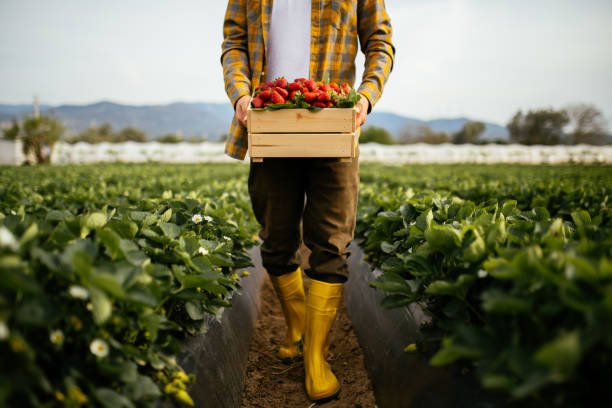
317,194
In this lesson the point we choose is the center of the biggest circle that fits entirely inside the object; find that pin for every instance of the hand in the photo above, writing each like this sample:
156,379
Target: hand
362,108
241,109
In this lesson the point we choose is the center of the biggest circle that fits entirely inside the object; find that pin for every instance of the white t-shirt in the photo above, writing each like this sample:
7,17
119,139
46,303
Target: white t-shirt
288,48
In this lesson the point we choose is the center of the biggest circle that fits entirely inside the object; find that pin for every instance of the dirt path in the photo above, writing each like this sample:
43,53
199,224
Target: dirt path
271,384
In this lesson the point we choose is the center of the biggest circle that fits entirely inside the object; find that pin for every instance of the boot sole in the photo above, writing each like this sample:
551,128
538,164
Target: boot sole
323,400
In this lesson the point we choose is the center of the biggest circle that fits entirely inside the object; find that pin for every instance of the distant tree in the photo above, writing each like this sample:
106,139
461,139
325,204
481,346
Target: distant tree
469,133
130,134
373,134
104,133
422,134
37,135
588,125
543,126
195,139
170,138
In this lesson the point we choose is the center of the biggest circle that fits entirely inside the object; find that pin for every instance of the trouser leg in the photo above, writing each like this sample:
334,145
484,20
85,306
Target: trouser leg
331,188
276,188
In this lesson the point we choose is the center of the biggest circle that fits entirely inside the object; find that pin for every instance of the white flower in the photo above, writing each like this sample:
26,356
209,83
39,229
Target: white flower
208,218
203,251
78,292
13,212
4,331
7,239
99,348
482,273
225,237
57,337
197,218
89,306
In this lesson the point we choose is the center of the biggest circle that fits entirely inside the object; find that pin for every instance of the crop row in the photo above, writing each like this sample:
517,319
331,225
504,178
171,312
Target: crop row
104,269
513,266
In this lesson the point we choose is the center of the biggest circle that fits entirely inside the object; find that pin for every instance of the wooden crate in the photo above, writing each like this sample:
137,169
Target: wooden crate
302,133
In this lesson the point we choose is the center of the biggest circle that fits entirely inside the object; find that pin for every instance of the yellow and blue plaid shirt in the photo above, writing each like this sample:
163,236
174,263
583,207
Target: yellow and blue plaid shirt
336,28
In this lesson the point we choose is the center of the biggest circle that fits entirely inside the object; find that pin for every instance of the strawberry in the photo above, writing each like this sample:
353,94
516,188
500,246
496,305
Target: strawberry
294,86
280,82
257,102
276,97
305,89
292,96
265,95
267,103
267,85
319,104
324,87
300,80
323,97
346,88
282,91
310,84
310,96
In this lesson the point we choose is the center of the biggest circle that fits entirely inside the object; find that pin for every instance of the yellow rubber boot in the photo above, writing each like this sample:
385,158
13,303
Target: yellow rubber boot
321,307
290,291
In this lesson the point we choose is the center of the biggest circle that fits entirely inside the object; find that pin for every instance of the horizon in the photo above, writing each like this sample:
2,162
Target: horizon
224,103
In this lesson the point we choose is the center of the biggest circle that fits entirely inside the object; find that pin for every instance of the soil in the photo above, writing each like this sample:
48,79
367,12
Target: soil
270,383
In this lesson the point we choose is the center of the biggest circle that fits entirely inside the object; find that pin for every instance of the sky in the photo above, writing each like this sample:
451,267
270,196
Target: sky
482,59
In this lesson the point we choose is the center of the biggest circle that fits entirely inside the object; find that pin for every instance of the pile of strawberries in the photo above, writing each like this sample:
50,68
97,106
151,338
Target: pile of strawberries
303,93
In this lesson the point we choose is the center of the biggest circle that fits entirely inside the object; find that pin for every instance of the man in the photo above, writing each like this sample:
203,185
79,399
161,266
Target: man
266,39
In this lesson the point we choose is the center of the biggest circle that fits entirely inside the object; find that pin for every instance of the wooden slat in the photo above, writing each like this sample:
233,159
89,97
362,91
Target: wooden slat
302,120
328,140
311,151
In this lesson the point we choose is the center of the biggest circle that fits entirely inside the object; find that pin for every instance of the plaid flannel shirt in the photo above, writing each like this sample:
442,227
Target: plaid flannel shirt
336,26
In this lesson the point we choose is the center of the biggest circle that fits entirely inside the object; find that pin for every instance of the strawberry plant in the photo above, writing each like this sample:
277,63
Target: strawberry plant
104,269
518,293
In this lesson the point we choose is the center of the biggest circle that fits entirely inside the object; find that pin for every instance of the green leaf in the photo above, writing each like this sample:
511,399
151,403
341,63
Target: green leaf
29,234
424,220
496,301
81,262
111,240
108,283
581,218
395,301
125,229
95,220
111,399
561,355
450,352
476,250
194,310
389,248
170,230
457,289
392,283
142,389
443,238
165,217
102,306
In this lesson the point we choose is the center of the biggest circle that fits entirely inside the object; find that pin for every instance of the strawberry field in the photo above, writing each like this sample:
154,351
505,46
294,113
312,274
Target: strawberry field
512,265
106,269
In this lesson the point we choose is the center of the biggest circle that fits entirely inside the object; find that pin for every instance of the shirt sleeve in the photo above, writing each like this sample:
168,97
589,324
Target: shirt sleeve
374,28
235,52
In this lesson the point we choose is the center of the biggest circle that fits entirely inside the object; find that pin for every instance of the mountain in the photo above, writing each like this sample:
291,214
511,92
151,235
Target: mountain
202,119
395,123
